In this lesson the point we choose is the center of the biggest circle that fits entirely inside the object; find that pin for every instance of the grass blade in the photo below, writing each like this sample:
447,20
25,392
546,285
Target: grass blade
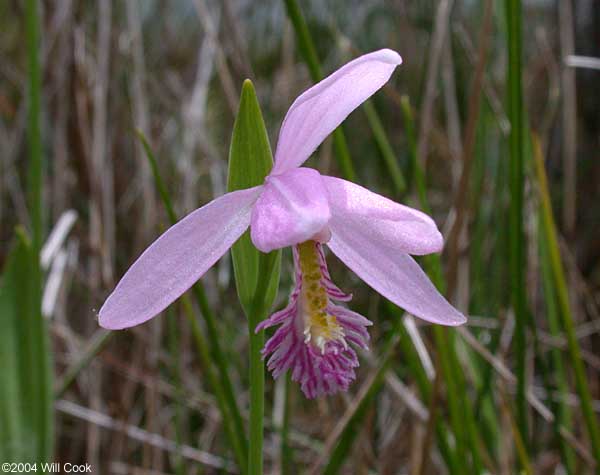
563,412
25,402
13,290
562,295
516,185
34,346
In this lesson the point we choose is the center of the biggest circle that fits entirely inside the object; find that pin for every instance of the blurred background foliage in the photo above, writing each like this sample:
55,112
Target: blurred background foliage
138,401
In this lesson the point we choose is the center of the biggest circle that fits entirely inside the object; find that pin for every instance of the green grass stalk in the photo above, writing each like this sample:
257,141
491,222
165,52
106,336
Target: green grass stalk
38,346
516,184
561,409
562,295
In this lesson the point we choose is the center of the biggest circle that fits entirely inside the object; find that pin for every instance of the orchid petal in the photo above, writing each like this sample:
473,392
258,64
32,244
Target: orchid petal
392,273
397,226
321,109
177,259
291,209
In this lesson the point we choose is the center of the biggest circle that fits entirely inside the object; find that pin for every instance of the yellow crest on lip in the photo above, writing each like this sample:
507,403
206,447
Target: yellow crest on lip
319,325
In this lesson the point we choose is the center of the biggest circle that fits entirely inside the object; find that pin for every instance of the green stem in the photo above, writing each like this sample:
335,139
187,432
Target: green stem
516,234
258,312
257,399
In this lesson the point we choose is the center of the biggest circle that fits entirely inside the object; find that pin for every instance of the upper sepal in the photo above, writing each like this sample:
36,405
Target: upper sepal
321,109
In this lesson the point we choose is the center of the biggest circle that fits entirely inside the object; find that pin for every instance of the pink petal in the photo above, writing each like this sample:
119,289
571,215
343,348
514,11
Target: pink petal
391,272
177,259
291,209
323,107
397,226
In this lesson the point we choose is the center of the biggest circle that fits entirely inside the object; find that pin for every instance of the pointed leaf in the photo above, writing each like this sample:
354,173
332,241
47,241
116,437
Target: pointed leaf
250,161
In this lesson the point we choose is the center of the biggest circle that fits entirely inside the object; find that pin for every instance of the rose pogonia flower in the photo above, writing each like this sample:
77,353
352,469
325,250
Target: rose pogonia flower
299,207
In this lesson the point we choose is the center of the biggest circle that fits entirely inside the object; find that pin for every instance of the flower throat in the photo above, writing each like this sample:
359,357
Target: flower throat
320,326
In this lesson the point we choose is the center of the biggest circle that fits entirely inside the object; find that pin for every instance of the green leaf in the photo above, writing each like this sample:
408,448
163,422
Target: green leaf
256,274
250,161
26,398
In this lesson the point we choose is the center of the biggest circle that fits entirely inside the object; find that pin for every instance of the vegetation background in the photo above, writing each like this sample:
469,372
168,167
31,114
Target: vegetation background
517,390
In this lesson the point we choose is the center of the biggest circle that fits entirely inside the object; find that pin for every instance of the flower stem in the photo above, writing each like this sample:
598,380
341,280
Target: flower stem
266,265
257,399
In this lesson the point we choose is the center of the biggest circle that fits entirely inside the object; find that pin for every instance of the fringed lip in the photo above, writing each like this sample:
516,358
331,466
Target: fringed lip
320,367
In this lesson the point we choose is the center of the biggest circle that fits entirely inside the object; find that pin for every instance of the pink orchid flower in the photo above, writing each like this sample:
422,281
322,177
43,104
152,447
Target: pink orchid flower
299,207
